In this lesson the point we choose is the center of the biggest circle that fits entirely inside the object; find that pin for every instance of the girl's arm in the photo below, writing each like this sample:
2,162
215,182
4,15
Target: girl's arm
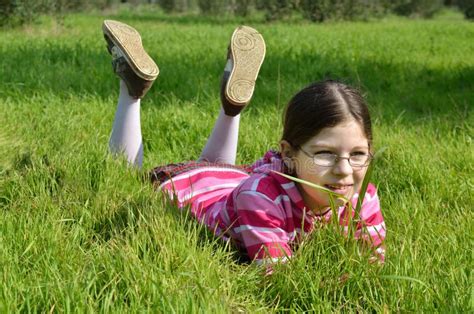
261,227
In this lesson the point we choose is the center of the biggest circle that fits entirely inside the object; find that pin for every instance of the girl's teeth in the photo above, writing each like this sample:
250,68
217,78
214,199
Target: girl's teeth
337,187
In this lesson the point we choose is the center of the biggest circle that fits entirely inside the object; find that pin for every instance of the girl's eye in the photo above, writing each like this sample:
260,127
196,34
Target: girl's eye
324,152
358,153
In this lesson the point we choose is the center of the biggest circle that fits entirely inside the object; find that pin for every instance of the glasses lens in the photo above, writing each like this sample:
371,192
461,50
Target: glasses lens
325,159
359,160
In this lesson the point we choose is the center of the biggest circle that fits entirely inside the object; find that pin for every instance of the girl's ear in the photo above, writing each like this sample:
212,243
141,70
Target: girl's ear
287,153
286,149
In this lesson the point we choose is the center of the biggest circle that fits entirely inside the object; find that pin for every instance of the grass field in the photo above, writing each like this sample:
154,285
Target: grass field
79,231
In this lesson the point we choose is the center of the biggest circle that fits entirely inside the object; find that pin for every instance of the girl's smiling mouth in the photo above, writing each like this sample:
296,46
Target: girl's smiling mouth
339,188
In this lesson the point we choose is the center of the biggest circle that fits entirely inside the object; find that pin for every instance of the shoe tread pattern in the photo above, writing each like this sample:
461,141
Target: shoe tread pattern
248,51
130,42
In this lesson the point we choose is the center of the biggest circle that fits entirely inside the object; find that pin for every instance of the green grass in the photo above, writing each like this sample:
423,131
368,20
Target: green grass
80,231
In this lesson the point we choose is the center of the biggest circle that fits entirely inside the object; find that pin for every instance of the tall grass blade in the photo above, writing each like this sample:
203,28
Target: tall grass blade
365,182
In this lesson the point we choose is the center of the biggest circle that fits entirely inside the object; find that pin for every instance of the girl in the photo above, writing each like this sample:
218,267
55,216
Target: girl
327,140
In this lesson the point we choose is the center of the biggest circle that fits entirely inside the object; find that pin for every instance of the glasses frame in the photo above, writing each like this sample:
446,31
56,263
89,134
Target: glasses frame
338,158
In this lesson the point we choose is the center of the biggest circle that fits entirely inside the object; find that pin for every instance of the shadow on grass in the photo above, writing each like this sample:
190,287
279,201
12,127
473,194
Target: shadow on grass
187,19
80,70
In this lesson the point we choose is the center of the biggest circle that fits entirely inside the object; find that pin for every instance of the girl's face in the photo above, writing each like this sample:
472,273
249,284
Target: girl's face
345,140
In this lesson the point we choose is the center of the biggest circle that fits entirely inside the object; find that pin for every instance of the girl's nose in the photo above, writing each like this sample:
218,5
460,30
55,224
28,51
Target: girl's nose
342,167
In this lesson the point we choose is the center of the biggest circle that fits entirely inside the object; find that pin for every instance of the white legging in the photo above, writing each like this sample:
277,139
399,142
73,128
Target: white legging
126,137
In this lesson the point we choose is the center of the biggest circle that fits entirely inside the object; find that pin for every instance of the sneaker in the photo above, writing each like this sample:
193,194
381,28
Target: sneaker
245,56
129,60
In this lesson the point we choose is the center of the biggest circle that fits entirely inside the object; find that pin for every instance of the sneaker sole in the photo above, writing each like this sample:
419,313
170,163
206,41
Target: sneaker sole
248,51
128,40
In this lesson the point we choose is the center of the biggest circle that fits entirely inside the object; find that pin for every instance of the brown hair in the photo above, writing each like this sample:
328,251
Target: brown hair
321,105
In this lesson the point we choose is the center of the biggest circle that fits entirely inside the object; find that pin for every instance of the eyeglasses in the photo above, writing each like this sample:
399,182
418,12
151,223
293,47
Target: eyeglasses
329,160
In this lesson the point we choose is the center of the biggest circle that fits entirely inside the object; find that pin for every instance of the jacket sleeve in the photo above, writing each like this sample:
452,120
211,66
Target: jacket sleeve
261,227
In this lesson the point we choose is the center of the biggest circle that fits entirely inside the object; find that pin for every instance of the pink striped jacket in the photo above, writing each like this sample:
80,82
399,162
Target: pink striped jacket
263,213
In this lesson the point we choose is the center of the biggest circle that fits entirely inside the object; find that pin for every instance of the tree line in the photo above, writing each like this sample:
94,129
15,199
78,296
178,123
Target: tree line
23,11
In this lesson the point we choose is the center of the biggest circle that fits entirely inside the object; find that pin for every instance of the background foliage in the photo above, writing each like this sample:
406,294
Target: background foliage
467,6
424,8
16,12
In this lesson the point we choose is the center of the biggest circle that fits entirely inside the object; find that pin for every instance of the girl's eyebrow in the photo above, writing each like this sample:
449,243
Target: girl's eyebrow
322,145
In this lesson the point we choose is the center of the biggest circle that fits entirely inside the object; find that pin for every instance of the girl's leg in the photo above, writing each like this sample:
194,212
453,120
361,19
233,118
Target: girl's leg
245,56
137,72
221,146
126,134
